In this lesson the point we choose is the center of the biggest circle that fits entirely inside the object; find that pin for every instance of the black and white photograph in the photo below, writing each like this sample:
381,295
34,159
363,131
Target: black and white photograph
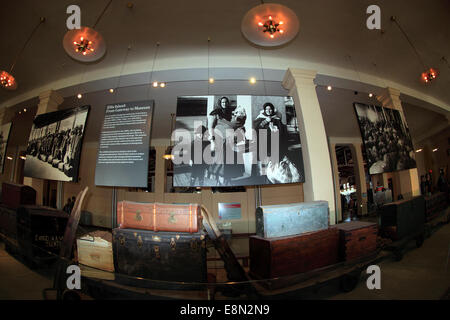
236,140
4,136
386,138
54,145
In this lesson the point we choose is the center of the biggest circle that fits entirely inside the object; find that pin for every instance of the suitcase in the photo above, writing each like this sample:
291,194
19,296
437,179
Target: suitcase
94,249
160,256
291,219
8,222
286,256
357,239
40,231
15,195
158,216
403,218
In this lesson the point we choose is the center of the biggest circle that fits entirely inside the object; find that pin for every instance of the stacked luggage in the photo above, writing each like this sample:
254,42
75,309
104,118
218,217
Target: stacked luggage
292,239
162,242
357,239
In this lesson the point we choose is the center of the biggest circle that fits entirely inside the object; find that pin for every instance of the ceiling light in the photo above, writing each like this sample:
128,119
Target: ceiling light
434,150
252,80
429,75
211,80
111,90
261,24
7,81
79,96
155,84
162,84
23,157
9,158
24,110
419,150
370,95
329,88
84,44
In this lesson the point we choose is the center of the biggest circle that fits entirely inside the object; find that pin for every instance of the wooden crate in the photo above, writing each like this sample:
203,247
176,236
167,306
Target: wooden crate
285,256
356,239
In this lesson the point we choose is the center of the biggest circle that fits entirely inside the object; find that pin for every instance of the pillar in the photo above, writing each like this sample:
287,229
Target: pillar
360,177
408,179
316,156
337,185
48,102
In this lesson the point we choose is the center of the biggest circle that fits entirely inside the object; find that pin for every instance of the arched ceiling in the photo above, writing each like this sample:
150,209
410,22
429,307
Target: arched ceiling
330,31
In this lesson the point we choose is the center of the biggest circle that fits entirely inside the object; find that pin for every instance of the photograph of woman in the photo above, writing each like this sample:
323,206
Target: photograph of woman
232,126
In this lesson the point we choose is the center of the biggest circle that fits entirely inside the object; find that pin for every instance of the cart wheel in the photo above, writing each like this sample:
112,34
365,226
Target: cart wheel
398,254
419,241
349,281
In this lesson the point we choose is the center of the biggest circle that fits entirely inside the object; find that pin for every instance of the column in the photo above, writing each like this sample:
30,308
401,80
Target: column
360,177
48,102
316,156
337,186
409,179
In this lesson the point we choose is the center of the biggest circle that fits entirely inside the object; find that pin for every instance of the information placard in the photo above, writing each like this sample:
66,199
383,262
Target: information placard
122,158
230,211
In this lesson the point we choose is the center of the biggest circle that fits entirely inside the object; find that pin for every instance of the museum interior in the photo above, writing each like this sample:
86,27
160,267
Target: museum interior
101,171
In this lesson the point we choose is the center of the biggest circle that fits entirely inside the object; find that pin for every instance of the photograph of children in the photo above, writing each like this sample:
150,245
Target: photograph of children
4,136
54,146
222,146
386,138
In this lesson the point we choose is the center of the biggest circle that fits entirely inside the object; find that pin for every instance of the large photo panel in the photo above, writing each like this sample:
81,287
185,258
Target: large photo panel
236,140
386,138
54,146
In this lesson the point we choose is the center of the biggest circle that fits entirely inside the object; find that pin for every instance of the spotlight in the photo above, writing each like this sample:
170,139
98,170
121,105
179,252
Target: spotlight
162,84
9,158
252,80
370,95
155,84
434,150
419,150
111,90
211,80
329,88
79,96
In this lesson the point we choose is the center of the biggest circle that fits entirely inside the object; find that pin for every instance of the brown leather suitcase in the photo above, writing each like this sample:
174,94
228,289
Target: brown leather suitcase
158,216
356,239
14,195
285,256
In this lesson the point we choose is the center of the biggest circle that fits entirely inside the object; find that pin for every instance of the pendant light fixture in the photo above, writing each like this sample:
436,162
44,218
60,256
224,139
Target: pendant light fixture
85,44
429,74
156,84
7,80
270,25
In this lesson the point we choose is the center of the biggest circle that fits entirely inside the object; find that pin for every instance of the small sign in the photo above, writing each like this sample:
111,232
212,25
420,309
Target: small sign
229,211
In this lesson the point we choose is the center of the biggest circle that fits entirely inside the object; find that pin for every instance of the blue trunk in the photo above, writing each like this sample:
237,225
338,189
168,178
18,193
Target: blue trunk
291,219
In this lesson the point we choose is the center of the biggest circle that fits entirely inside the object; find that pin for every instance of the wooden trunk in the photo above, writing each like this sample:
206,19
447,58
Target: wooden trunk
356,239
285,256
8,222
15,195
403,218
94,249
291,219
40,231
160,256
158,216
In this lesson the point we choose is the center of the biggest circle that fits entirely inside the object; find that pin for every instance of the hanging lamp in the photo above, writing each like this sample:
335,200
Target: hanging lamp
86,44
270,25
7,80
168,154
429,74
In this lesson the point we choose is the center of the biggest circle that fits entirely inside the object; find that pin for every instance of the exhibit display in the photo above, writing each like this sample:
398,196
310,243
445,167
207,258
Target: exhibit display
236,140
386,138
4,136
54,145
357,239
123,151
